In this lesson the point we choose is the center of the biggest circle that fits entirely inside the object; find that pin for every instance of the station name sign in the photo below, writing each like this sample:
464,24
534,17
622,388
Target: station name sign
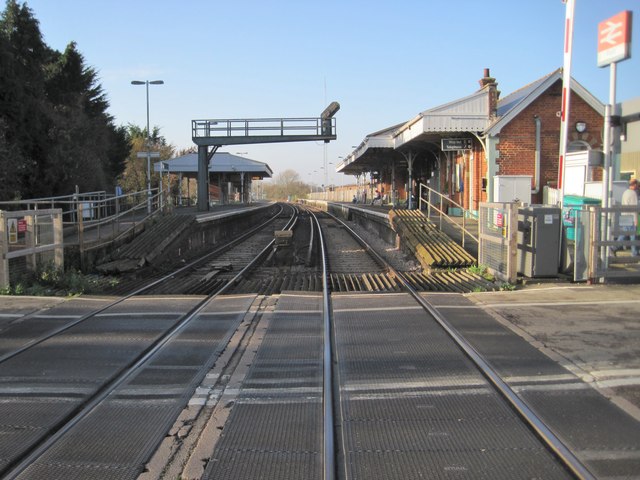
451,144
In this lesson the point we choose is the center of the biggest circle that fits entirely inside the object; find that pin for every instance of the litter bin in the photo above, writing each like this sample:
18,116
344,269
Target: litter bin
539,241
570,205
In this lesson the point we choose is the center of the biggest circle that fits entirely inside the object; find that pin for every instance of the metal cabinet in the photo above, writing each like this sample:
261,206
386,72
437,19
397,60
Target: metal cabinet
539,241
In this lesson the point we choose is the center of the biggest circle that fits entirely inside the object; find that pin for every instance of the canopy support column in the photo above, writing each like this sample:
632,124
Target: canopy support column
242,199
204,157
410,156
393,183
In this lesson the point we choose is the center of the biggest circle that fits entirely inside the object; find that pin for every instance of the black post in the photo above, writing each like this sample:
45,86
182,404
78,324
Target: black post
203,179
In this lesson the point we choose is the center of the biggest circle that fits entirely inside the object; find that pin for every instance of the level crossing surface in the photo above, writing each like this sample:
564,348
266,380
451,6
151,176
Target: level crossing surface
409,402
275,427
414,406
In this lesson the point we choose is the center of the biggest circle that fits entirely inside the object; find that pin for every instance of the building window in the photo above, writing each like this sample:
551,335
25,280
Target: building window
577,146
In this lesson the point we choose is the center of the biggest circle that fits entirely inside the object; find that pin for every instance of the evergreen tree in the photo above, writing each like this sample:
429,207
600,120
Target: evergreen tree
55,132
82,133
9,158
22,99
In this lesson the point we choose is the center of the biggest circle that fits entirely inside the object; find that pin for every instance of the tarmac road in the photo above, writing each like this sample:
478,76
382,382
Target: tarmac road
592,330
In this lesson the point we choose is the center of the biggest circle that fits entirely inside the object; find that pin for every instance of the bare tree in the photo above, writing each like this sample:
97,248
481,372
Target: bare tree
286,185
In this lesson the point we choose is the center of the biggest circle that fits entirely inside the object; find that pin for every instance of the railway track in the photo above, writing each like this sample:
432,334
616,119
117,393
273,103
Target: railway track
128,381
320,387
91,367
352,269
573,467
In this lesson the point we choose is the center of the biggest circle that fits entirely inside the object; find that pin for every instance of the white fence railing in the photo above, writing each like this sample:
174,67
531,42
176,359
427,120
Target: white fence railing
600,254
83,213
440,204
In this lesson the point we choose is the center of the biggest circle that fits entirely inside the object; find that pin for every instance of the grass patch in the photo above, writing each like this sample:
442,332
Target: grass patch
507,287
481,271
48,280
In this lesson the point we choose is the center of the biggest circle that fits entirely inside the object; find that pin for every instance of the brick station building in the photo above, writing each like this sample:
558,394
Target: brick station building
517,134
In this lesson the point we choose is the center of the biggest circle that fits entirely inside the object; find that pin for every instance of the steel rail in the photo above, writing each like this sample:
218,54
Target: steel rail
266,250
142,289
544,433
310,252
81,412
327,399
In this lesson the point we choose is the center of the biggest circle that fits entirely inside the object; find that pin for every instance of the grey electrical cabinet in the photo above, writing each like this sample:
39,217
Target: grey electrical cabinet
539,241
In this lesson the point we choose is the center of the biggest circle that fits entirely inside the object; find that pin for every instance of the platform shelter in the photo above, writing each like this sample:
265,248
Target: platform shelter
230,177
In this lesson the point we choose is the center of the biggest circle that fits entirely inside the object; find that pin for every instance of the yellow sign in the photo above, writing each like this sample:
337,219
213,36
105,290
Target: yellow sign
12,224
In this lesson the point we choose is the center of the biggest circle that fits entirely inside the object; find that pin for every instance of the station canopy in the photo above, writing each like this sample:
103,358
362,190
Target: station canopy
467,117
424,132
222,162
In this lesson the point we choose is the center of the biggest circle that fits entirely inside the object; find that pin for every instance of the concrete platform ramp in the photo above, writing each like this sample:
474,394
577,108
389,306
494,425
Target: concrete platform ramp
148,245
431,247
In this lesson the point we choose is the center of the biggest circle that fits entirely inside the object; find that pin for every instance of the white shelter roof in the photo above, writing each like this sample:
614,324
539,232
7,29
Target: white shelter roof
469,114
222,162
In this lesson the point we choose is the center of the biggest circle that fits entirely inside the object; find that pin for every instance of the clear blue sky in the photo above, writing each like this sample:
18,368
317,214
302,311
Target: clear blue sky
383,61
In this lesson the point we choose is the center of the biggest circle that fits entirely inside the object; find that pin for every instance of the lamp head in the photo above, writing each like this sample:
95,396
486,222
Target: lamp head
152,82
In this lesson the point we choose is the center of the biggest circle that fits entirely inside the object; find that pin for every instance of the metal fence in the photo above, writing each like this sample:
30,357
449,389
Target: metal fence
599,232
32,236
88,214
497,235
34,232
116,215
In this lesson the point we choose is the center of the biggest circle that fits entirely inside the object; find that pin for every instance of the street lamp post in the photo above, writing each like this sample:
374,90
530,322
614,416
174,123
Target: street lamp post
147,83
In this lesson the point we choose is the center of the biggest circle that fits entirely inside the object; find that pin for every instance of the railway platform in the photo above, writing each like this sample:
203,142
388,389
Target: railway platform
108,231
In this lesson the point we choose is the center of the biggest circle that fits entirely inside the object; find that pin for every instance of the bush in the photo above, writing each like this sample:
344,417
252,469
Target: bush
51,280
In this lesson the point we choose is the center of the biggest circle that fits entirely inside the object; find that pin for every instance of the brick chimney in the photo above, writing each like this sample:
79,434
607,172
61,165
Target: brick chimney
490,83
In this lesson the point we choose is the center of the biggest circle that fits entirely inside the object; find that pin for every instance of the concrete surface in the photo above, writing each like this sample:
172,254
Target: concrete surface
594,331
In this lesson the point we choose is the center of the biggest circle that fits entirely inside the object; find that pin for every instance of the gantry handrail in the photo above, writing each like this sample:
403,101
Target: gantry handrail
264,129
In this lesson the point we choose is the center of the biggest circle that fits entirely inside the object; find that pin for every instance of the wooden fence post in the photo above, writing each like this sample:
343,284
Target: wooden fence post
58,240
30,240
81,235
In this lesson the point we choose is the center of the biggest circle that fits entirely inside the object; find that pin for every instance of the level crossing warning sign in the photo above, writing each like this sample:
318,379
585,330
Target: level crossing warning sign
614,39
12,229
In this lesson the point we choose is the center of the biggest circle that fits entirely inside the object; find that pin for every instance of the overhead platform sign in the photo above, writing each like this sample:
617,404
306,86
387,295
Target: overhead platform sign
452,144
614,39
